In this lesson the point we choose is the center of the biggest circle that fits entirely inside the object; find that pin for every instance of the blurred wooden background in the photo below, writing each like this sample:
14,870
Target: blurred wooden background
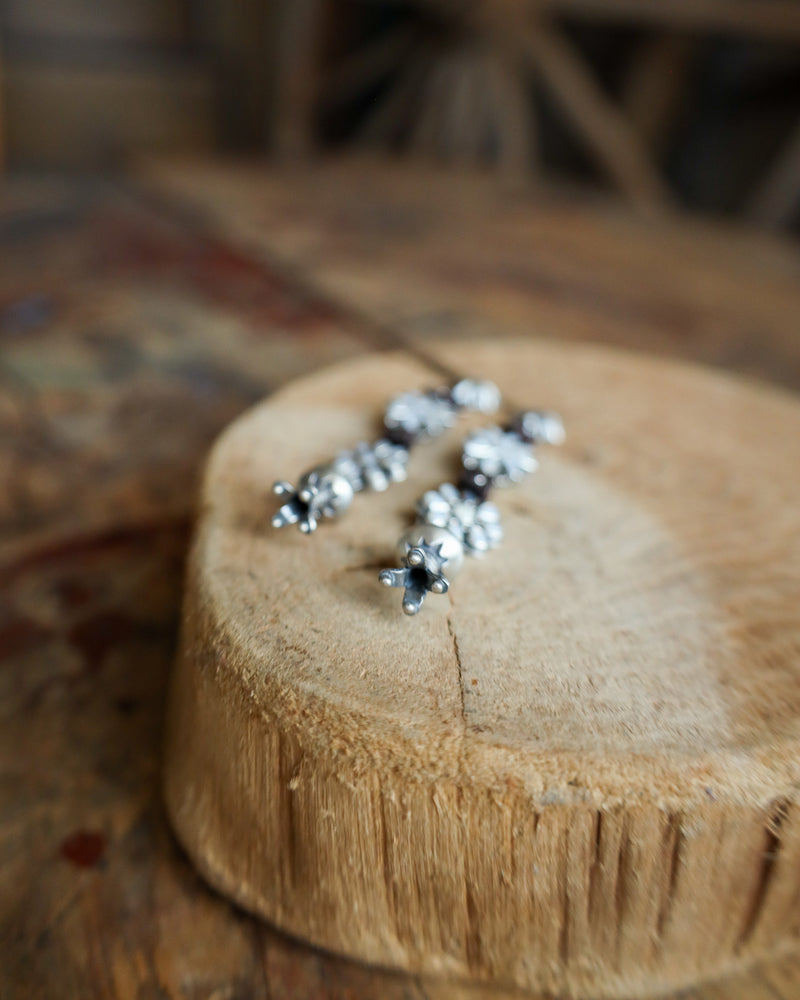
688,102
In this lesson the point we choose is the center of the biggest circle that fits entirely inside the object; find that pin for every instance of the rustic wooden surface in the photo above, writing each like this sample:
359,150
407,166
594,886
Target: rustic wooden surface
434,254
575,773
135,322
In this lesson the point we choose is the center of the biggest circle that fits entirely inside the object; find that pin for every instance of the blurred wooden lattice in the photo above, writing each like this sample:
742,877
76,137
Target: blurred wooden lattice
462,77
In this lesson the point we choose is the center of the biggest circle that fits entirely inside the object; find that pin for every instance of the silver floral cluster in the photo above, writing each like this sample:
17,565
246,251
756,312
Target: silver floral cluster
502,456
450,524
474,522
373,466
479,395
328,490
453,522
420,415
540,427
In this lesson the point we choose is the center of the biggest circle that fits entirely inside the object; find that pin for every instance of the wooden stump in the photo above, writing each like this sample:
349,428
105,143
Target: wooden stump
578,772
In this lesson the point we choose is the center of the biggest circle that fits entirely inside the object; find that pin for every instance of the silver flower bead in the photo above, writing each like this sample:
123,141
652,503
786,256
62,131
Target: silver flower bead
475,522
541,427
479,395
502,456
420,414
373,466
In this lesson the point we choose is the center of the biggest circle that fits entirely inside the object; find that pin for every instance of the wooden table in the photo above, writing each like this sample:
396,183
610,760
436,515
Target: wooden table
136,319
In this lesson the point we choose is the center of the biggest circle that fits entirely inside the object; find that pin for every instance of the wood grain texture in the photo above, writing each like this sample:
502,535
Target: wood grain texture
122,313
71,117
578,775
423,255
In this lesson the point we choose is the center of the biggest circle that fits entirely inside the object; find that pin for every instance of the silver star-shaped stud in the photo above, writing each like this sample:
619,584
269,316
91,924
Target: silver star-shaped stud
421,574
320,493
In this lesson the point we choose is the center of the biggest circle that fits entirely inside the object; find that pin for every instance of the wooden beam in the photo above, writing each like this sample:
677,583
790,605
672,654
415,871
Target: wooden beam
655,87
778,195
777,19
296,66
516,132
391,114
599,123
368,65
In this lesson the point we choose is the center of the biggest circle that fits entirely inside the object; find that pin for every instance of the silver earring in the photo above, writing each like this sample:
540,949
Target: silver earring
455,521
327,490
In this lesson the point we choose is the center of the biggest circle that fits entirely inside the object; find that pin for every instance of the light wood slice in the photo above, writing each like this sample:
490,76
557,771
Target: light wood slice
578,771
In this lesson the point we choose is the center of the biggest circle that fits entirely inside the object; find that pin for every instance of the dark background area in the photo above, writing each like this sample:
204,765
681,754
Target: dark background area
706,94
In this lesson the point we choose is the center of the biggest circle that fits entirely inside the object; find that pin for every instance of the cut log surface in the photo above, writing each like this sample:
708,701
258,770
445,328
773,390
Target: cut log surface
578,771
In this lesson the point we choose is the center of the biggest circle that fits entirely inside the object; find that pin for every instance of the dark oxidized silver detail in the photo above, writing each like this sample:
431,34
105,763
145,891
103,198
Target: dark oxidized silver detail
430,556
322,492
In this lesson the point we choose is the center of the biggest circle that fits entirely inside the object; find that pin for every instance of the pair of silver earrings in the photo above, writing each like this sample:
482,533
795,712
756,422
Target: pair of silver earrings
452,521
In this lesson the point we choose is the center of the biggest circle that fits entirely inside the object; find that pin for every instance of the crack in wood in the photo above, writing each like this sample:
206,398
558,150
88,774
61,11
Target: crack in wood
459,666
472,930
563,933
769,857
595,866
673,843
378,564
388,881
622,882
287,770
